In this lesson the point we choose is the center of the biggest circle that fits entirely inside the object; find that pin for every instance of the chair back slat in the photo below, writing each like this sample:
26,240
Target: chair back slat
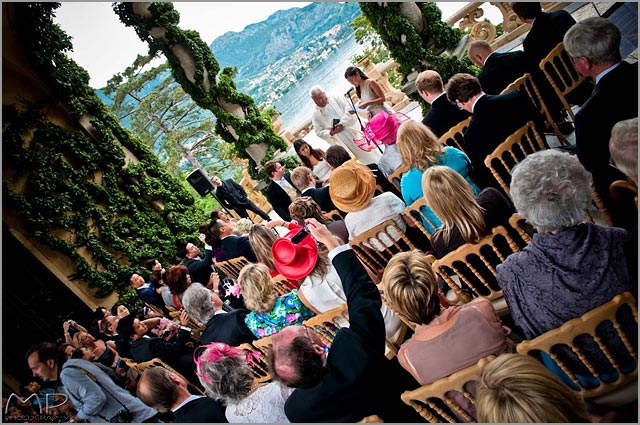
415,213
258,363
513,150
527,86
396,177
461,262
561,73
231,268
573,336
519,224
431,399
455,136
376,246
334,215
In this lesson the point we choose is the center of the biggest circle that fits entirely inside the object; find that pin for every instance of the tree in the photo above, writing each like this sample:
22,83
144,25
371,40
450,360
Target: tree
166,119
416,36
194,67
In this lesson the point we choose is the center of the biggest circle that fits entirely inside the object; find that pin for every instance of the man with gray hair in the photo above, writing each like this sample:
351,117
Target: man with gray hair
205,308
594,45
333,123
166,391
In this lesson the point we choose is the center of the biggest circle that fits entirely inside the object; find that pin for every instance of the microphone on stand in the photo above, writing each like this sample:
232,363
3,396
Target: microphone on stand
348,93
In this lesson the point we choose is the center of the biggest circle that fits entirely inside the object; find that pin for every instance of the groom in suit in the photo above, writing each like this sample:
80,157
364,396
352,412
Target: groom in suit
280,191
443,114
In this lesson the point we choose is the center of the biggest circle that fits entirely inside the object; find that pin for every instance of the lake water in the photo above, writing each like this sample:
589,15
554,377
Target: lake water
296,106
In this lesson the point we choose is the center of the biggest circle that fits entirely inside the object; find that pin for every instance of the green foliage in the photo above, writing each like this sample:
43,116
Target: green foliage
77,192
254,128
415,51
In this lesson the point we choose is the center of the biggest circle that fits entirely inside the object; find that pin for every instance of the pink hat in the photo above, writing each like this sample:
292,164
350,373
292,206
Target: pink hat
383,127
295,260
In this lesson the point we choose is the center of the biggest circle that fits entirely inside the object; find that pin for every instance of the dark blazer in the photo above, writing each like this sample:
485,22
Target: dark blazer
231,194
228,328
547,31
279,199
200,268
607,105
149,295
238,246
443,115
200,410
496,117
145,349
322,197
360,381
500,70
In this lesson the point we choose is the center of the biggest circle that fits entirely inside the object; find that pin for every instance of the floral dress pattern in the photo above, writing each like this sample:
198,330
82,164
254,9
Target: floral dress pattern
288,311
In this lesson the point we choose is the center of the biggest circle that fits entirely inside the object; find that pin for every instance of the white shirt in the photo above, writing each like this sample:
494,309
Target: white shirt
188,399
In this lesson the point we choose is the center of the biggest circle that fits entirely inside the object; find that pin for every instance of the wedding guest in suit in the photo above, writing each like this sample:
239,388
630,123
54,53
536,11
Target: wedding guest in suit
280,190
205,308
352,379
594,44
165,391
232,195
233,246
443,114
303,180
547,30
145,291
495,117
176,354
199,266
498,69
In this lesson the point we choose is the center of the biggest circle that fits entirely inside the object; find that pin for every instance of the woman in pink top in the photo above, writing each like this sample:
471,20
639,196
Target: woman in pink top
444,341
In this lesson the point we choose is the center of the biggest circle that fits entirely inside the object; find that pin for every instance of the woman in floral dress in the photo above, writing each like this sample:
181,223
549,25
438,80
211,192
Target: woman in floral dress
269,312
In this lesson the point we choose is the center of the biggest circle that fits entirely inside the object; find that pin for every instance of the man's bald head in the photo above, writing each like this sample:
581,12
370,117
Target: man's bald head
478,52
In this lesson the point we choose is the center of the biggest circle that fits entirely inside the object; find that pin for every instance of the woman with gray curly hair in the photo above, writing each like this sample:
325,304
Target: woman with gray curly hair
225,374
571,266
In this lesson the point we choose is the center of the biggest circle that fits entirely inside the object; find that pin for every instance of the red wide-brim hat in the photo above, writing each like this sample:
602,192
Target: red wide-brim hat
294,261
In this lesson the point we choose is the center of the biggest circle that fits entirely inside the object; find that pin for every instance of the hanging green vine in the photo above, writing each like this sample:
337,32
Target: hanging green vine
253,129
413,51
76,191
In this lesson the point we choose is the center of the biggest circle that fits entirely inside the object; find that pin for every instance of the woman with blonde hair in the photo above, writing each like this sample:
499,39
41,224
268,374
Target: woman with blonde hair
420,149
465,218
269,312
518,388
445,340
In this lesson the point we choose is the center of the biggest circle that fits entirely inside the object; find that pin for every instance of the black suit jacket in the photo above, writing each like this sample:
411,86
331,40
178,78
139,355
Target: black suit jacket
546,32
443,115
500,70
608,104
496,117
200,410
231,194
145,349
360,381
238,246
322,197
200,268
279,199
228,328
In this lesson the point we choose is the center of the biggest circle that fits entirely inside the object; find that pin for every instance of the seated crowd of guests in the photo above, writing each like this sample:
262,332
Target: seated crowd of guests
570,267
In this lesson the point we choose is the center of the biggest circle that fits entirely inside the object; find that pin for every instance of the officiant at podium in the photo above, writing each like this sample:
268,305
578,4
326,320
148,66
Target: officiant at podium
334,109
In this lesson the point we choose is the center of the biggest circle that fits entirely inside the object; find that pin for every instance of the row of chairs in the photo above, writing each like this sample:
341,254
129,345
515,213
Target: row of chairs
435,403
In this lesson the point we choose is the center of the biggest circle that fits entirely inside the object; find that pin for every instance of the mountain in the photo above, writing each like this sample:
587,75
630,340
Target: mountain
275,54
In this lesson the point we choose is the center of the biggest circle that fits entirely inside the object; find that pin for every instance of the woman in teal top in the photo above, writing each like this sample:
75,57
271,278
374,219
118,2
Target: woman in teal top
419,149
269,312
